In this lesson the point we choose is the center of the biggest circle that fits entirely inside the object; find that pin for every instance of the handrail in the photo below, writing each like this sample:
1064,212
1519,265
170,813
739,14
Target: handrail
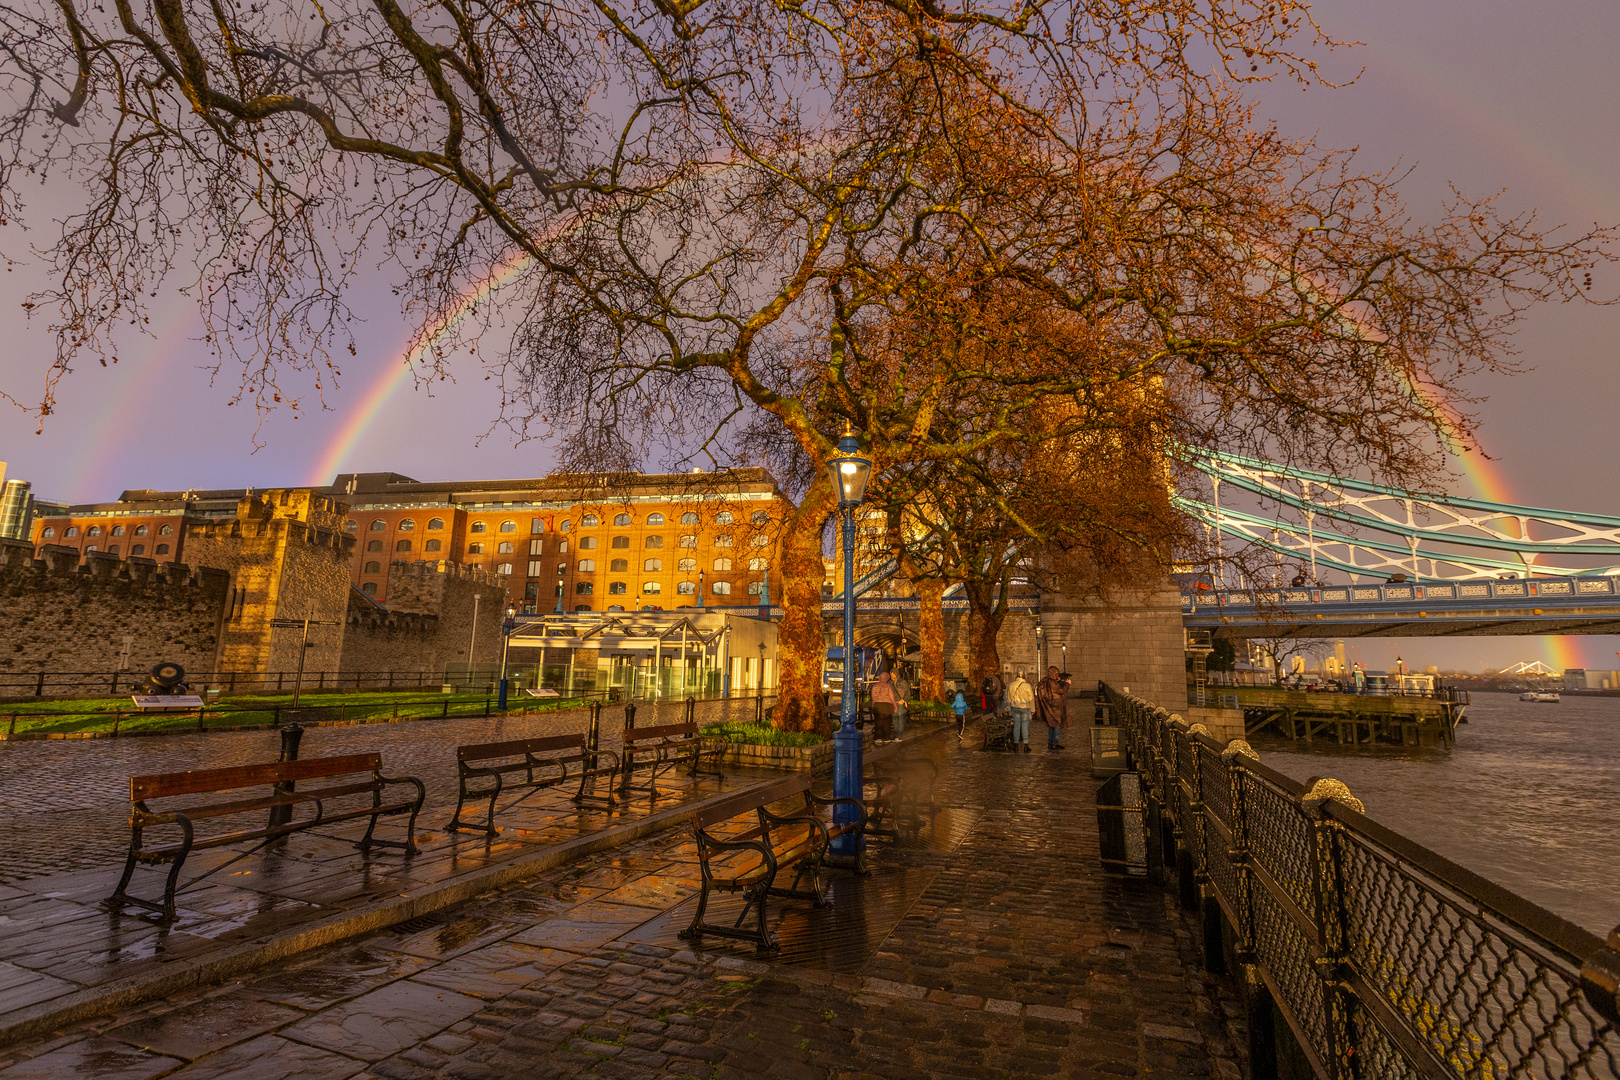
1382,957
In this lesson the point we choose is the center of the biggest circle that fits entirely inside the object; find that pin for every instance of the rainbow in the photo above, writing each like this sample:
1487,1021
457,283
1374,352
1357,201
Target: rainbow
394,376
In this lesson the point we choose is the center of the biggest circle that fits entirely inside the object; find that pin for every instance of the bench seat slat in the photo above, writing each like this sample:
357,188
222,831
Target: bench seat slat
197,781
240,806
516,747
662,731
165,850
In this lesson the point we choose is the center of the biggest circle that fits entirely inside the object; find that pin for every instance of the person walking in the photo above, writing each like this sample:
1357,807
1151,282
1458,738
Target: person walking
883,703
960,707
990,692
1021,700
902,694
1052,706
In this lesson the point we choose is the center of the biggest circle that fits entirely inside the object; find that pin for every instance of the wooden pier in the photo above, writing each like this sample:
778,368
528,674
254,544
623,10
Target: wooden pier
1351,719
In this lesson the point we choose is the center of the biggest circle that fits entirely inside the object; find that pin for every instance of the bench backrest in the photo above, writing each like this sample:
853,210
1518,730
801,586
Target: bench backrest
519,747
746,802
160,785
663,731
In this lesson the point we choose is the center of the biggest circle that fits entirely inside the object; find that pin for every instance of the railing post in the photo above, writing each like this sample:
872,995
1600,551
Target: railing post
113,687
39,686
625,753
1343,1009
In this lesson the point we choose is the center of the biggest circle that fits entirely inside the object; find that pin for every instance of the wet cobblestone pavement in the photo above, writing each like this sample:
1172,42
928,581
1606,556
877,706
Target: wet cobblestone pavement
986,943
64,803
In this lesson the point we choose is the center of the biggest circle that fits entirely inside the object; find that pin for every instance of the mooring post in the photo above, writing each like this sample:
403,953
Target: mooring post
291,735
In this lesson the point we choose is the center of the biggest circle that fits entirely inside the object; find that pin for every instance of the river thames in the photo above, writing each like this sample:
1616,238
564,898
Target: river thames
1528,798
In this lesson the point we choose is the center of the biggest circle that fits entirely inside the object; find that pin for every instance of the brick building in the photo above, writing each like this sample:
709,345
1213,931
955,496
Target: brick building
647,541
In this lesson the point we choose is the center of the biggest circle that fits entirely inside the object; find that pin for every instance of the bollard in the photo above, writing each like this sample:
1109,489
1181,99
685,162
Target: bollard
593,736
502,705
625,753
291,735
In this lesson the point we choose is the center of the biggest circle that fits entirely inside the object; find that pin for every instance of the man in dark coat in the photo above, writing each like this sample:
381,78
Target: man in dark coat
1052,706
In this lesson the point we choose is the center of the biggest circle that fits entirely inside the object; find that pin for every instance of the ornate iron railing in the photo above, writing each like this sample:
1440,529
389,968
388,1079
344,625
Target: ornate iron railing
1382,958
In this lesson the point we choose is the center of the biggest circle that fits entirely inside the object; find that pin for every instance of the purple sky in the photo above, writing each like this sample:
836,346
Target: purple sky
1486,94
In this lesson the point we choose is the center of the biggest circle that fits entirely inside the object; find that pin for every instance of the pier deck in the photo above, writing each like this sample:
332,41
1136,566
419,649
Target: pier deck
1347,718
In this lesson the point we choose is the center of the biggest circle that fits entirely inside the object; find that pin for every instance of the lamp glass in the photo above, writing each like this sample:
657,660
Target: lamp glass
849,476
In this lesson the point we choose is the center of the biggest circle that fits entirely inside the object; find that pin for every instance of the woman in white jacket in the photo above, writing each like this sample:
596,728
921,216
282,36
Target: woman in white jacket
1021,699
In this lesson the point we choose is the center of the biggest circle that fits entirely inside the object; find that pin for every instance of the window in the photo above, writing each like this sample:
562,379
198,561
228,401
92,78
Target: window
508,526
759,517
652,588
375,545
655,542
118,530
621,519
504,568
590,522
537,547
140,530
562,568
586,566
587,543
723,518
138,549
621,541
689,518
562,548
722,564
619,566
686,565
94,530
754,587
379,525
531,591
756,564
90,547
348,526
369,588
722,588
49,532
477,526
406,525
584,588
616,588
567,526
112,549
654,520
166,530
687,541
652,564
504,547
536,568
685,588
433,544
723,540
402,545
758,540
536,526
582,607
475,549
163,549
436,523
374,567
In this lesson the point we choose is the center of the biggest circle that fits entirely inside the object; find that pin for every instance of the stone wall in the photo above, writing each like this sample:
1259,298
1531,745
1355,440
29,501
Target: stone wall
64,616
379,642
1134,639
288,558
446,591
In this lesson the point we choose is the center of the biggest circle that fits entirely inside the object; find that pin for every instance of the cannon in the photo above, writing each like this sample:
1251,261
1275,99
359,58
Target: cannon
165,678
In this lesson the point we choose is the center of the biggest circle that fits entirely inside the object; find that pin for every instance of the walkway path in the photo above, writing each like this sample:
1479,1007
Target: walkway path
985,944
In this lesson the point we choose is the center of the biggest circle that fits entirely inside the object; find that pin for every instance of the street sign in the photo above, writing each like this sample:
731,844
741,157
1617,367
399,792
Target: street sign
166,701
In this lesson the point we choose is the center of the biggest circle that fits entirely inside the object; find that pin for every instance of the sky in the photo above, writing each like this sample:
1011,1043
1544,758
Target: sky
1488,95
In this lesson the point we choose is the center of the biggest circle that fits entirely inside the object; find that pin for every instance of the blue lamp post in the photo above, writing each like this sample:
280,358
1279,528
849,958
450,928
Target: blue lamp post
849,472
506,640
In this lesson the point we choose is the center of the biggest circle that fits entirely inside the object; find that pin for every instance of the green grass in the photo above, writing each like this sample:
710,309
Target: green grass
254,710
760,735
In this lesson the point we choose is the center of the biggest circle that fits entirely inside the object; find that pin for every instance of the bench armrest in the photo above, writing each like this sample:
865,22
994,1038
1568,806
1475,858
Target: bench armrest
614,754
834,800
421,790
707,843
793,819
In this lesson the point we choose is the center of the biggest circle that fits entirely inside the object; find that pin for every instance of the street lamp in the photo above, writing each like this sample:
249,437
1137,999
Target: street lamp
506,641
700,588
560,587
849,472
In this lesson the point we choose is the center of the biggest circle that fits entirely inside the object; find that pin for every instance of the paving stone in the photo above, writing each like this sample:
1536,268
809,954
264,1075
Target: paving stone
193,1031
272,1058
101,1059
386,1021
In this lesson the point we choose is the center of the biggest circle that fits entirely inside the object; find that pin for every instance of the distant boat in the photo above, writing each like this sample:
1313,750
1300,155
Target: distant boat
1548,696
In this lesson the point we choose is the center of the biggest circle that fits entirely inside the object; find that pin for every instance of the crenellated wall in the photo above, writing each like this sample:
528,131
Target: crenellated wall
105,614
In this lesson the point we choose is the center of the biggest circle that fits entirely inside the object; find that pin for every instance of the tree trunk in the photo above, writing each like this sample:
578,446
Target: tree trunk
985,617
800,648
931,638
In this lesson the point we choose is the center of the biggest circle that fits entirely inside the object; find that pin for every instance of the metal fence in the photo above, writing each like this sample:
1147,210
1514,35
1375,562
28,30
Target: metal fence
19,684
1382,958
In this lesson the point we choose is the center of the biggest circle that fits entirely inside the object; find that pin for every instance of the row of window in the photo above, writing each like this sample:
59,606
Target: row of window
653,588
138,549
619,566
95,530
725,517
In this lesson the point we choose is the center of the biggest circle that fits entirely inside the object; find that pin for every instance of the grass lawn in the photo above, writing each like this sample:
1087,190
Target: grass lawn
245,710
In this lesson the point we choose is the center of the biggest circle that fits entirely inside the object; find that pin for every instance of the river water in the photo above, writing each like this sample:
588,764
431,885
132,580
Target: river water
1528,798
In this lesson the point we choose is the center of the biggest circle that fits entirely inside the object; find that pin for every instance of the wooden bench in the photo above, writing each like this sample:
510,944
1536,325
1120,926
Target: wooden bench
550,757
664,747
748,861
282,801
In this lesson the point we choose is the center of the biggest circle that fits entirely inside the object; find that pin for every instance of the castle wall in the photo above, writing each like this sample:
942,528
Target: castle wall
447,590
64,616
378,642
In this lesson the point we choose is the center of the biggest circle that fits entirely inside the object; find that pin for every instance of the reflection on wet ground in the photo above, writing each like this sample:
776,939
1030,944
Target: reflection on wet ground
984,942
